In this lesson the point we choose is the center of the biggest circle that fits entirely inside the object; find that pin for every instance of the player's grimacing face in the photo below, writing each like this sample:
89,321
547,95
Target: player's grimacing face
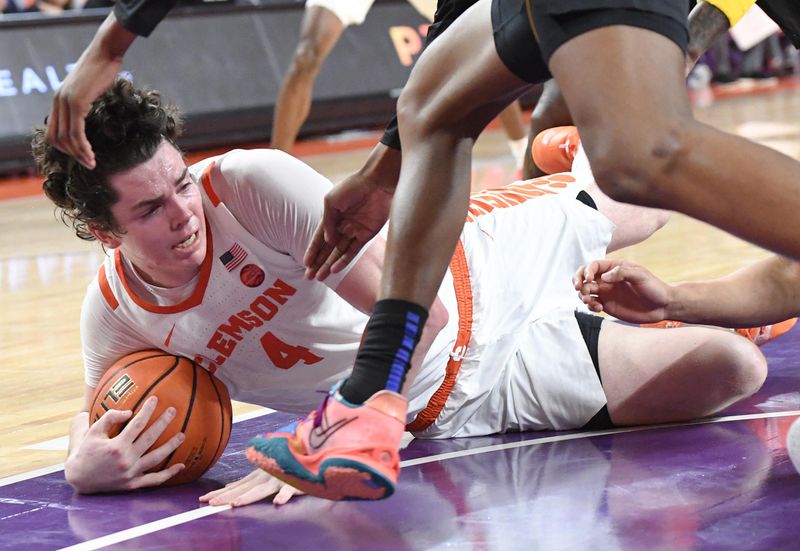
160,213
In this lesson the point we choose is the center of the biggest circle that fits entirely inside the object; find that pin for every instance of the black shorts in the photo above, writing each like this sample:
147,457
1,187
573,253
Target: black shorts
590,330
786,13
527,32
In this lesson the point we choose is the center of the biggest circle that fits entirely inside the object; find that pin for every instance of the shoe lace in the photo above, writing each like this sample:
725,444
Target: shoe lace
318,412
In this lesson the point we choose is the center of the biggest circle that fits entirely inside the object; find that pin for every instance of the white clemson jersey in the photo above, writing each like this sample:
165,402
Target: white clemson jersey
275,338
250,316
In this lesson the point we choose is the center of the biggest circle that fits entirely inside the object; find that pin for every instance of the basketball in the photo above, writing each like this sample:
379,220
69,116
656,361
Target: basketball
201,402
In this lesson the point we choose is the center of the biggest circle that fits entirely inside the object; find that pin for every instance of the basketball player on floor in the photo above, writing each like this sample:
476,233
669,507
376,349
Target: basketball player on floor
641,139
508,345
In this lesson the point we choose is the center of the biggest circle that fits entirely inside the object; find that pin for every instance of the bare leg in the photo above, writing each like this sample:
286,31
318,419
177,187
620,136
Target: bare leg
440,114
633,223
511,118
658,376
319,33
645,147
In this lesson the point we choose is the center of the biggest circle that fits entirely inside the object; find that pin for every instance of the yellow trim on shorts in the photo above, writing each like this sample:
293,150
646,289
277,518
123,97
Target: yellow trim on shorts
528,9
734,10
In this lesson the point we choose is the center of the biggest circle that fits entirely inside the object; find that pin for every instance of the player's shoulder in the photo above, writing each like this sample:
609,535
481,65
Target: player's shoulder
101,298
250,159
239,164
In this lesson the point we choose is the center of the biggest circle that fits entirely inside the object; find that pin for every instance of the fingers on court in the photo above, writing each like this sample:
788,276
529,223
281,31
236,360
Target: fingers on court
285,494
249,490
228,487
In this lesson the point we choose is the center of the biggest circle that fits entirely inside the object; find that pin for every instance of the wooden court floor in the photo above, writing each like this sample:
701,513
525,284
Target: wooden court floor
44,269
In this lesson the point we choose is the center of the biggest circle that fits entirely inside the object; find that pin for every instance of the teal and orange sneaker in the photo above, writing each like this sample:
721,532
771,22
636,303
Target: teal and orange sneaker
341,451
554,149
765,333
758,335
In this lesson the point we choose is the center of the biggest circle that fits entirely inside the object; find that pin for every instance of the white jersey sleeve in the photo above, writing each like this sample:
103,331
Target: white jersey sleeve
104,337
278,199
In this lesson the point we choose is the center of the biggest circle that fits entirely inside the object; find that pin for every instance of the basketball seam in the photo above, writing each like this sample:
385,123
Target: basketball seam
186,418
146,393
110,375
223,425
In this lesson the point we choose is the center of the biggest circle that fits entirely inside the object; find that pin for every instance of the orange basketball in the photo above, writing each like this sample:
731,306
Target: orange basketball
201,402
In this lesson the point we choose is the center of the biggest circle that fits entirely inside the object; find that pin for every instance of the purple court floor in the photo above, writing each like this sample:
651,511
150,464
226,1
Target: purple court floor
725,483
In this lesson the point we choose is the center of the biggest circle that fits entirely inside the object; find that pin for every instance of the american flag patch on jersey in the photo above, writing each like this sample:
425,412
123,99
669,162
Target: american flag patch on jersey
233,257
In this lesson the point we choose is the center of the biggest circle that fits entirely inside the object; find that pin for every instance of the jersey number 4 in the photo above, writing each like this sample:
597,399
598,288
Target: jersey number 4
285,355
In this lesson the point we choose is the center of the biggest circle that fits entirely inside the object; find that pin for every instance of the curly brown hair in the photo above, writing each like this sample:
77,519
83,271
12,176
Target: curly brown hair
125,126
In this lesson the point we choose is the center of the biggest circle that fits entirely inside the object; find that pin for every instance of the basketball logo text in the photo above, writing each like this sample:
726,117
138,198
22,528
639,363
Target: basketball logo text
116,392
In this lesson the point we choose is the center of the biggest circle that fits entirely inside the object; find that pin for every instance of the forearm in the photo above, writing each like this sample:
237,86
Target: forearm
382,167
765,292
111,41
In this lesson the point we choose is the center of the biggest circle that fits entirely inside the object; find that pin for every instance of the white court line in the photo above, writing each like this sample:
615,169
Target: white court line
138,531
55,445
13,479
565,437
252,415
148,528
31,474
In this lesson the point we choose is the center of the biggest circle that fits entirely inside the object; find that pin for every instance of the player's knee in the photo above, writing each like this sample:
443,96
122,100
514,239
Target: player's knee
416,111
423,111
633,169
657,219
307,60
744,366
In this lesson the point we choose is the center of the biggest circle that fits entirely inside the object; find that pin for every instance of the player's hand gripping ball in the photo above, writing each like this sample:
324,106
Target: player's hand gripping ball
201,402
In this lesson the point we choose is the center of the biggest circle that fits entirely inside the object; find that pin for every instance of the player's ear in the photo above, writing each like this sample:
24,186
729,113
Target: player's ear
107,237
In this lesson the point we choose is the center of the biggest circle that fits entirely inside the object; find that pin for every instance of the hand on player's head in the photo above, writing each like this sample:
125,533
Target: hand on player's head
66,129
95,71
